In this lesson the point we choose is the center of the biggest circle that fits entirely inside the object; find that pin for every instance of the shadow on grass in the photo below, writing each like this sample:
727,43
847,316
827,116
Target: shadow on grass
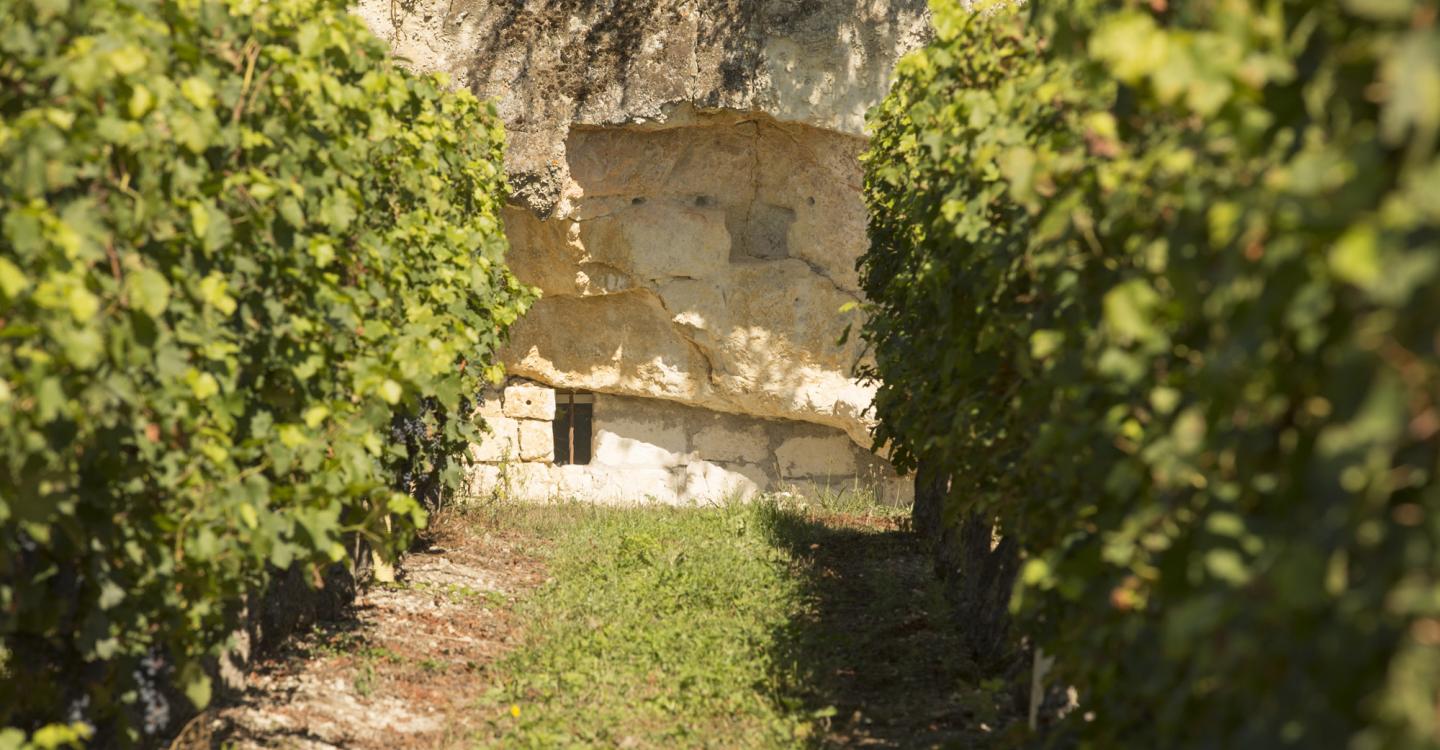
875,642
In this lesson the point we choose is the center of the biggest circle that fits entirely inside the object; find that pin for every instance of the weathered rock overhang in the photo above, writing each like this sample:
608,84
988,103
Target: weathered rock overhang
705,263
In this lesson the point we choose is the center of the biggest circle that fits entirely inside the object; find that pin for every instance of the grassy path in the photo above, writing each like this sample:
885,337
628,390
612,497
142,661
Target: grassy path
754,626
658,629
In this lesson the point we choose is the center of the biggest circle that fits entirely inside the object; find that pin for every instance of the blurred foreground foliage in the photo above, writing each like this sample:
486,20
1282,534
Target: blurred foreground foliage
1158,286
237,244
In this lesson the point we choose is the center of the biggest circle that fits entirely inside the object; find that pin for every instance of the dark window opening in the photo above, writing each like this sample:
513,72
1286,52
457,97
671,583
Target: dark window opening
574,418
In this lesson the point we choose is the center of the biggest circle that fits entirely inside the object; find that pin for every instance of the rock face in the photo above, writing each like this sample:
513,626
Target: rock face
551,64
687,198
705,263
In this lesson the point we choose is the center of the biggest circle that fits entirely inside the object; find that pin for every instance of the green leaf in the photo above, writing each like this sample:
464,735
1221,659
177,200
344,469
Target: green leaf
11,739
60,118
141,102
84,347
291,436
1130,309
1018,167
55,736
191,133
315,415
338,211
292,213
1225,524
1036,573
198,92
196,685
50,399
12,279
1164,399
149,291
81,302
1131,44
248,516
1044,343
202,384
1355,257
110,594
322,251
1227,565
200,219
128,60
214,292
1189,431
24,232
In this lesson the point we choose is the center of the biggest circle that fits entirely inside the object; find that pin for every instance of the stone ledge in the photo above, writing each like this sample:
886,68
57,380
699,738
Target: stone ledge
529,402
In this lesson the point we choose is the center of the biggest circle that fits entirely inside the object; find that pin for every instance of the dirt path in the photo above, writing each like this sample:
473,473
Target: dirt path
403,669
862,648
877,642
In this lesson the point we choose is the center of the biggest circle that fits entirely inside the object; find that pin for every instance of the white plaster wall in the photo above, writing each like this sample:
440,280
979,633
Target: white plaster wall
649,450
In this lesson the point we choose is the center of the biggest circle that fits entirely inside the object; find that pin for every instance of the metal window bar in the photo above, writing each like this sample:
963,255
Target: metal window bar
566,428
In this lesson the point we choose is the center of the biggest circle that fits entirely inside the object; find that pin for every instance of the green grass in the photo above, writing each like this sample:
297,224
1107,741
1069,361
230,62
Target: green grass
659,628
841,499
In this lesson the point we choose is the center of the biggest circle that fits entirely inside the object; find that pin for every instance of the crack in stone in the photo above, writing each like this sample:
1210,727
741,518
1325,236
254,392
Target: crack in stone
818,270
754,177
679,331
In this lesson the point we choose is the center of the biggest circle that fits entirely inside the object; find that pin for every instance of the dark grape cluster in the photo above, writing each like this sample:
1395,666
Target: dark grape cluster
427,450
150,679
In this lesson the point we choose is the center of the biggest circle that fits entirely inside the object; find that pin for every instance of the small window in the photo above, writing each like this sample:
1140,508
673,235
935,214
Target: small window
574,417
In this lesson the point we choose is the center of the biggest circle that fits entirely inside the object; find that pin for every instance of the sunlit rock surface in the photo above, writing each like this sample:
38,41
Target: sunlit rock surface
687,197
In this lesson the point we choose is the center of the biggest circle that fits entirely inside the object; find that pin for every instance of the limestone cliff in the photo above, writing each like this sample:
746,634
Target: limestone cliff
550,64
686,186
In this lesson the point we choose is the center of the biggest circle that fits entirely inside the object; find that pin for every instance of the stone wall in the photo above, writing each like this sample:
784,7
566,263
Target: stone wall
648,449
